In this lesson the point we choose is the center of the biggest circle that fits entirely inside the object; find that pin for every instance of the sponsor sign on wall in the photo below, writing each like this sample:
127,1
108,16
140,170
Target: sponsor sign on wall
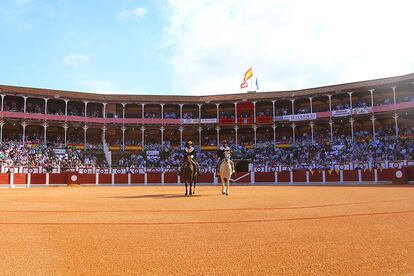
189,121
341,113
209,121
296,117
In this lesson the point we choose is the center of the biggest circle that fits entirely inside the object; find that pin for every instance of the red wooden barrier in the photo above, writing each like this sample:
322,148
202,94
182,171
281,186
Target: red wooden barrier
170,177
368,175
153,177
57,178
4,178
315,176
264,177
351,175
283,176
205,178
410,173
299,176
105,178
20,178
38,178
137,178
87,178
333,176
386,174
121,178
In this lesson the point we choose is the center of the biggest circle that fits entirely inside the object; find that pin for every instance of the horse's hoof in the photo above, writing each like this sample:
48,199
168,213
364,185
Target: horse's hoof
227,193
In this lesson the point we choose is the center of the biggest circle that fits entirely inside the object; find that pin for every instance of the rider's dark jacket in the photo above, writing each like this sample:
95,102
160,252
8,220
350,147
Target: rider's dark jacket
222,150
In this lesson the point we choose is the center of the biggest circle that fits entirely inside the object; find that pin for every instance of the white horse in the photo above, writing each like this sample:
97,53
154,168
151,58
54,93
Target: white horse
225,174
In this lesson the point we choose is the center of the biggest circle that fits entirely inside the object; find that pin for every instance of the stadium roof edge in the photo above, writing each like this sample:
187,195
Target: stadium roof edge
322,90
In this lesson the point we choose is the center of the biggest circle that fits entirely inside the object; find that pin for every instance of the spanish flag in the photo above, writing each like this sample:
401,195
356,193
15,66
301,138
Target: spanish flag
248,74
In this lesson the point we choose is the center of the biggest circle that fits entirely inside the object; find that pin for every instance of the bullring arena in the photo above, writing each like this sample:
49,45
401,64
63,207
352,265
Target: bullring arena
90,182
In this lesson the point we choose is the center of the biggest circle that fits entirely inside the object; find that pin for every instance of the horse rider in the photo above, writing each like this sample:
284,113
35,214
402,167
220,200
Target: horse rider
189,150
221,153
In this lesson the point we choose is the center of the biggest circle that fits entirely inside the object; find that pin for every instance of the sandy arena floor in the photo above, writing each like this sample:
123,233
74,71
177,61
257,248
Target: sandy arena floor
255,230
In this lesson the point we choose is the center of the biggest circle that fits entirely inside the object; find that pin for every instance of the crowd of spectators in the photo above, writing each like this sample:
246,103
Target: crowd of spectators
319,153
189,115
170,115
15,154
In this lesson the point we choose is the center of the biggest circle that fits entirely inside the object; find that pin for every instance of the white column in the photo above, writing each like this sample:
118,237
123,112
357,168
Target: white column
254,112
162,111
86,107
123,110
24,103
236,128
394,94
255,135
371,91
352,121
235,113
2,102
85,130
312,124
350,101
293,106
46,99
373,126
218,136
162,137
103,138
396,124
274,110
1,131
66,107
65,127
45,132
218,113
330,103
199,113
143,111
181,111
274,135
123,129
293,131
24,125
311,104
142,136
200,129
181,129
104,110
331,129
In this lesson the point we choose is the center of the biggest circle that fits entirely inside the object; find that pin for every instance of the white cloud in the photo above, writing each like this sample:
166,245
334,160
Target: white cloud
75,60
126,14
291,44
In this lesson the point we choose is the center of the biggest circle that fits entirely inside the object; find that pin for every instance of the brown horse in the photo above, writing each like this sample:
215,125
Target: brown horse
189,175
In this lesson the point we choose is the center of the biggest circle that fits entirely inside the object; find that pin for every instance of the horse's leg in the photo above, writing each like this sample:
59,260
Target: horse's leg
186,187
191,184
222,184
228,186
194,184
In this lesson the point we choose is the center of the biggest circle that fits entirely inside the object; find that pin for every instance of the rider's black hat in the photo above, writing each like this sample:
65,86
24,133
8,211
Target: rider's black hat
224,142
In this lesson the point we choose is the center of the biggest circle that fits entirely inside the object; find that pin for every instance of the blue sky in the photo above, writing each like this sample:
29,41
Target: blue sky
201,46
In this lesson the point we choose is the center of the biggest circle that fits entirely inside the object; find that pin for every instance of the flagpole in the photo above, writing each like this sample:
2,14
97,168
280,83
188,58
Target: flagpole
251,79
